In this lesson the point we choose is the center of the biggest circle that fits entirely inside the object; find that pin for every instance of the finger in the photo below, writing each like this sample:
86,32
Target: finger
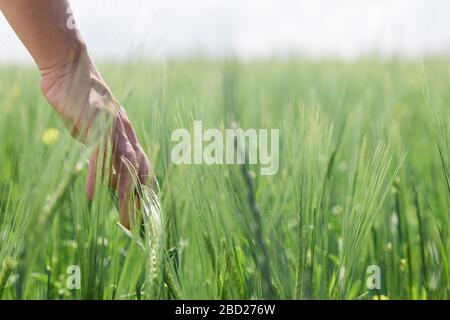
144,167
125,160
119,146
126,191
114,165
144,172
92,175
129,130
125,202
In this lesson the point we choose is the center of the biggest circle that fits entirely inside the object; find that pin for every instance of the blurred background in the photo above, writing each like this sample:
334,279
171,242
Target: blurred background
364,175
161,29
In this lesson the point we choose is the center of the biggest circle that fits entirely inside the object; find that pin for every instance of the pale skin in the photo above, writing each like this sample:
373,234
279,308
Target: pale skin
76,90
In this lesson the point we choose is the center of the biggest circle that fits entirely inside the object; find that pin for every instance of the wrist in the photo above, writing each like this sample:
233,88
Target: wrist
75,69
74,53
79,94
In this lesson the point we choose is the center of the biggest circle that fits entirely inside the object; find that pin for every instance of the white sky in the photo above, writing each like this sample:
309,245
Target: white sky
345,28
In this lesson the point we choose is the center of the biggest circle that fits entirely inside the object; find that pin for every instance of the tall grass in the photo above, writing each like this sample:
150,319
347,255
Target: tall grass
363,180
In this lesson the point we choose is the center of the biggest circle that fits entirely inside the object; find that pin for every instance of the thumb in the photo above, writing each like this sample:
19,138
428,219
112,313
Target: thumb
92,175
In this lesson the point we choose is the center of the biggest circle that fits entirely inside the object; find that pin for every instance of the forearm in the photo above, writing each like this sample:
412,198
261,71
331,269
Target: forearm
69,80
44,28
72,85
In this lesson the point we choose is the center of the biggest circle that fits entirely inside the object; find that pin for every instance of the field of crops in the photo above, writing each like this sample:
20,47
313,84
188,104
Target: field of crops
364,183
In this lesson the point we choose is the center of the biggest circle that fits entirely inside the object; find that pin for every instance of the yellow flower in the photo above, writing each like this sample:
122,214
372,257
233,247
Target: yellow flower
380,297
14,92
50,136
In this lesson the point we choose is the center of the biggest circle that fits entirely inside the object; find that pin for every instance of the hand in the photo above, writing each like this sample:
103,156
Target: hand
89,110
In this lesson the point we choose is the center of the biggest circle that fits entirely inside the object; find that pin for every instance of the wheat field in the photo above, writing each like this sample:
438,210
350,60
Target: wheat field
363,185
